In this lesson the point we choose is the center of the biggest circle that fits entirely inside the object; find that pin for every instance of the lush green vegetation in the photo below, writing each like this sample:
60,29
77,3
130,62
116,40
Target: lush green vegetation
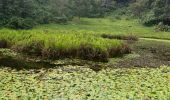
78,39
83,83
62,44
152,11
108,25
23,14
85,49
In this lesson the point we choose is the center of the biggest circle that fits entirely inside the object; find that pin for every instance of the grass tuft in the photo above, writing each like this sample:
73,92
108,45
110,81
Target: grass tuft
120,37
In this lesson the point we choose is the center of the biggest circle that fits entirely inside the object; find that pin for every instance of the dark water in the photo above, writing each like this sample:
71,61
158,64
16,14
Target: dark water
22,64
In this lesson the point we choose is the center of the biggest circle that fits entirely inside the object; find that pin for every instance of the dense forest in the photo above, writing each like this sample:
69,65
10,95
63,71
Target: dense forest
24,14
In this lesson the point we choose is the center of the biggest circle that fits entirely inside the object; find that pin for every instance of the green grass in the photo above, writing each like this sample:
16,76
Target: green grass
69,39
57,43
83,83
76,34
99,26
108,26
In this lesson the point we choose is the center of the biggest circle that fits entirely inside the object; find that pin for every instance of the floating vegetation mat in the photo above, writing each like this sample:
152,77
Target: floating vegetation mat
81,82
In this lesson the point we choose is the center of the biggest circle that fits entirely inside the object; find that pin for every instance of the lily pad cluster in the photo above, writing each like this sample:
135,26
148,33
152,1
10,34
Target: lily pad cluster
80,82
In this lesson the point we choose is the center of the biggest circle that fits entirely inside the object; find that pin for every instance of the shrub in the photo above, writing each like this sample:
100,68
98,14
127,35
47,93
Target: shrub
155,21
162,27
118,17
60,19
20,23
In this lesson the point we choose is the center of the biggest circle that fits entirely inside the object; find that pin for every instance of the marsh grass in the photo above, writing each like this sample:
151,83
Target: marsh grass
83,39
120,37
62,44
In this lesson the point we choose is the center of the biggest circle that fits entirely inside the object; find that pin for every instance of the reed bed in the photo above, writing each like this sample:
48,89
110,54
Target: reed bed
62,44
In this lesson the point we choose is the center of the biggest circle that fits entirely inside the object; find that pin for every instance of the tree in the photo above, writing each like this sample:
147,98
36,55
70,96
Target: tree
17,13
25,14
152,11
88,8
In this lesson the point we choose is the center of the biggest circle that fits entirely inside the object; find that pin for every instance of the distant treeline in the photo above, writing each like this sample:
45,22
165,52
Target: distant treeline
25,14
151,11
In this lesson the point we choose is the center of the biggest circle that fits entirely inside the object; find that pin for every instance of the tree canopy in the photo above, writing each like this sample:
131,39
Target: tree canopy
25,14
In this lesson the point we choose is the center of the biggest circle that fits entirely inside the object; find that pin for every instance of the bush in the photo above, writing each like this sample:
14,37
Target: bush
20,23
60,19
162,27
118,17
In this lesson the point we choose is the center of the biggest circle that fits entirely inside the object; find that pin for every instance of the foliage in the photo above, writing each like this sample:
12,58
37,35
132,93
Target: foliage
24,14
17,14
77,82
61,44
20,23
162,27
60,41
90,8
152,11
21,13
